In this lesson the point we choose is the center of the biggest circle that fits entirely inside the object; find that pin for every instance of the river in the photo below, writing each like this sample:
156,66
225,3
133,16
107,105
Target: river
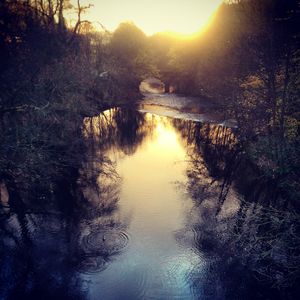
155,219
159,164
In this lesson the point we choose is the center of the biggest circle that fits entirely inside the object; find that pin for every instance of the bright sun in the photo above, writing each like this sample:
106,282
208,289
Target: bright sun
152,16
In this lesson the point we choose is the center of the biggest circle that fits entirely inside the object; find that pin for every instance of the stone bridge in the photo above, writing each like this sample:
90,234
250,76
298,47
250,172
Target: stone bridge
155,85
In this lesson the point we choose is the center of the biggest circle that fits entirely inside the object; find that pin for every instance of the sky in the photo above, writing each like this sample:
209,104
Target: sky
152,16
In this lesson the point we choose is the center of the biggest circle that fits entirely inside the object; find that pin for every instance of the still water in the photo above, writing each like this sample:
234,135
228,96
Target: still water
154,264
150,218
160,258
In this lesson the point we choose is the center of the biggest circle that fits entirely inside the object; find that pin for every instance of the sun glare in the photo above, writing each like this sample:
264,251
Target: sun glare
183,17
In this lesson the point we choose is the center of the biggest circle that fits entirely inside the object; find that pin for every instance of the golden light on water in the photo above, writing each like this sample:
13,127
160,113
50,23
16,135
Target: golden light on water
152,16
166,138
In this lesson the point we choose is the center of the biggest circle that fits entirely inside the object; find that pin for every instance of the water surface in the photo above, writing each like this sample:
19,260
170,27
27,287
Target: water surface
148,218
161,260
154,265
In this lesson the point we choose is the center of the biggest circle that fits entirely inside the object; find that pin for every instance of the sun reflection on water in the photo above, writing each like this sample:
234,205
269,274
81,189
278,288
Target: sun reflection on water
166,137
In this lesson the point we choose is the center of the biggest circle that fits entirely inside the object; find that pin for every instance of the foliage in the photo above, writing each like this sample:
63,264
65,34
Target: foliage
267,240
49,81
130,53
247,61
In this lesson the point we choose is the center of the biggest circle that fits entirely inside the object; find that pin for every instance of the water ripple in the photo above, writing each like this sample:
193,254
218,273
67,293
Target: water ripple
105,242
177,278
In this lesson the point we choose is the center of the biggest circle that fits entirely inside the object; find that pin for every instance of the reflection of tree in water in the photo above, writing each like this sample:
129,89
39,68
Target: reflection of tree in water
43,253
45,249
123,129
252,248
213,155
254,254
75,229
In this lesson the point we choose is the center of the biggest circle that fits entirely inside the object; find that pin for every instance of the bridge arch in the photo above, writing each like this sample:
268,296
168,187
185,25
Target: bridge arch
155,86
